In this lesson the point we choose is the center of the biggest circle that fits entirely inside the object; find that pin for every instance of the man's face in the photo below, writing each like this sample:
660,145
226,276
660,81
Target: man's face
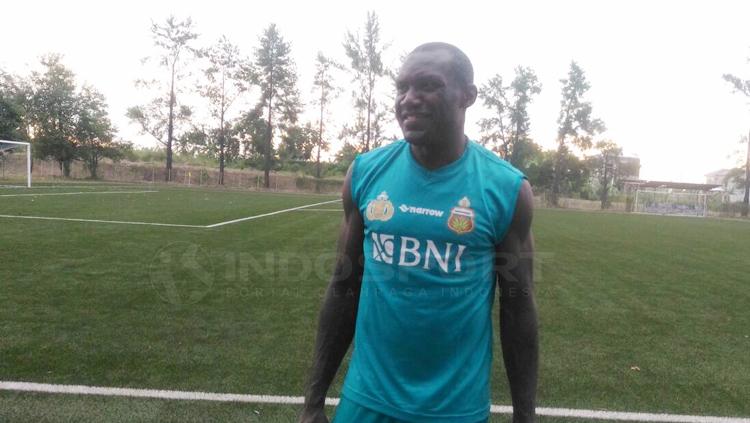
430,102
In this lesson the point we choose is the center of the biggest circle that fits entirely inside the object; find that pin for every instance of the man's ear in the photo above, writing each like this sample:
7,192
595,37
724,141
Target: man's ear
470,95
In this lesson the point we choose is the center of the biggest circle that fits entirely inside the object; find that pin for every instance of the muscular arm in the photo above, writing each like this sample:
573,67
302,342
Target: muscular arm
518,317
339,312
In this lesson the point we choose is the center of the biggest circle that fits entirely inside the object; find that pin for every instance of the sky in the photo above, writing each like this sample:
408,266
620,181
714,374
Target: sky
655,67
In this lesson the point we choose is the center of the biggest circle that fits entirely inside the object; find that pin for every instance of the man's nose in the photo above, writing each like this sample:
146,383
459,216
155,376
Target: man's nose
411,96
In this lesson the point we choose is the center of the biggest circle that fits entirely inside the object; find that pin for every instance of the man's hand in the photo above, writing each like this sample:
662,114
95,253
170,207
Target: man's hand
316,415
523,418
338,315
518,317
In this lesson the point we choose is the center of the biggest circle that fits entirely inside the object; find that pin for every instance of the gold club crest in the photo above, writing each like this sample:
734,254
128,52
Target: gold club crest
461,220
380,209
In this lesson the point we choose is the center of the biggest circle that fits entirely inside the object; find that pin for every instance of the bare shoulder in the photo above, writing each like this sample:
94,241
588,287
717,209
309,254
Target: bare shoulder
524,213
346,193
519,231
353,225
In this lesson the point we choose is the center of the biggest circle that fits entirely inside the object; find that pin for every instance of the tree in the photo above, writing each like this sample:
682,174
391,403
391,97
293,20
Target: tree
365,54
736,177
743,86
576,126
327,91
226,79
740,176
540,168
605,167
345,156
509,126
95,133
297,143
277,77
525,85
14,93
193,142
69,123
527,154
174,38
250,130
153,119
496,129
53,112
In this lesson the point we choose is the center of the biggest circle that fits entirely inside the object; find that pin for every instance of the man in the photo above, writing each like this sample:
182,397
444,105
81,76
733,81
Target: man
425,219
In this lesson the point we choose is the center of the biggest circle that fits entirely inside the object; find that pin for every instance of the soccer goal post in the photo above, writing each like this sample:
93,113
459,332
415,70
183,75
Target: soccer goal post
671,202
15,166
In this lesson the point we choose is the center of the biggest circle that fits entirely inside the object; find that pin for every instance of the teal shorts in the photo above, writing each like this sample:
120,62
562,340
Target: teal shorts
351,412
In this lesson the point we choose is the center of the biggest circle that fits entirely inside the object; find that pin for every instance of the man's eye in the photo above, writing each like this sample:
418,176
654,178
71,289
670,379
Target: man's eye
430,85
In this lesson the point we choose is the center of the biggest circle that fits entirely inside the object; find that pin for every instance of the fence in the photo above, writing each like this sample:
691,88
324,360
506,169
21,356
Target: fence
542,201
11,168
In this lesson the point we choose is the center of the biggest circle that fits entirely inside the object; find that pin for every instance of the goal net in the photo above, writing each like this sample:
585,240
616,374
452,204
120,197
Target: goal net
671,202
15,164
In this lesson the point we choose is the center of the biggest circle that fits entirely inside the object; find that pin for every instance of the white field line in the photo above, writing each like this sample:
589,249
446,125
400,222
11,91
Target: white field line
175,225
70,186
633,417
229,222
321,210
118,222
76,193
289,400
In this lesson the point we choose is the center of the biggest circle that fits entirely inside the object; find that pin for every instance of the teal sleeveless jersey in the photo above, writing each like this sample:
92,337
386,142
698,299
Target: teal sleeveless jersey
423,338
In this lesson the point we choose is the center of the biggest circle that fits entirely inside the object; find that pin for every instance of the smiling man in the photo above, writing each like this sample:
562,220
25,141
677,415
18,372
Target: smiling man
432,224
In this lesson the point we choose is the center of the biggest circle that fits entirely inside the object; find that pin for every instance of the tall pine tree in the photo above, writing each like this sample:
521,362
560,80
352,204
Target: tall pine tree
225,80
174,39
325,91
576,126
743,86
507,130
277,78
365,52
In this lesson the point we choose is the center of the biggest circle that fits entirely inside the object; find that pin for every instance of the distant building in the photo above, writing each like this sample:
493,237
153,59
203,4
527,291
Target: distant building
734,191
717,177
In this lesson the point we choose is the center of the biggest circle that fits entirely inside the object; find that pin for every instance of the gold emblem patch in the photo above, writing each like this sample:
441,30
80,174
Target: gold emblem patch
461,220
380,208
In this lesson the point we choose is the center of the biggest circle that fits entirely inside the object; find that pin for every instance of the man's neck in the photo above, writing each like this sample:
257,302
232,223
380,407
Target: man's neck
435,156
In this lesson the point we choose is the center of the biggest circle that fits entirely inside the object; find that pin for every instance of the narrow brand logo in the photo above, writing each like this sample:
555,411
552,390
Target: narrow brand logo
421,211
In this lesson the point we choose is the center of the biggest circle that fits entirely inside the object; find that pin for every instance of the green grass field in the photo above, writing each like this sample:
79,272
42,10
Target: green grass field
233,309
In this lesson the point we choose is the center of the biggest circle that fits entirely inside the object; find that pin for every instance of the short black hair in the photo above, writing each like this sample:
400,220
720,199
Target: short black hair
461,65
